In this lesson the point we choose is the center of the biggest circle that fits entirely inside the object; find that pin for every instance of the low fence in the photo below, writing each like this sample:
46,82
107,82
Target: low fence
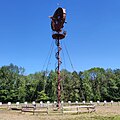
34,110
78,109
47,108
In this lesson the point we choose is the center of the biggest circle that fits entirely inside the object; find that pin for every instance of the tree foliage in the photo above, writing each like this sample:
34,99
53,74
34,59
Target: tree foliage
93,84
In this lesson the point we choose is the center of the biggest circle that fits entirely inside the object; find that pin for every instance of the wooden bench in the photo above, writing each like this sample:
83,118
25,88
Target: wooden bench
78,109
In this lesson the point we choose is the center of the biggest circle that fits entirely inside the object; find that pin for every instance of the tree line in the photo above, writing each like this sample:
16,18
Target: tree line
93,84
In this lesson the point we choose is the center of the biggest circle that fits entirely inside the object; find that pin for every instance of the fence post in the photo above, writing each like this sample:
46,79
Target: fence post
77,110
62,106
83,102
48,102
118,103
9,105
111,102
69,102
98,102
105,102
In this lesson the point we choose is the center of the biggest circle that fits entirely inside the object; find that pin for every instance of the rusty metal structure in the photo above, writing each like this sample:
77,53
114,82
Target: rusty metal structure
57,24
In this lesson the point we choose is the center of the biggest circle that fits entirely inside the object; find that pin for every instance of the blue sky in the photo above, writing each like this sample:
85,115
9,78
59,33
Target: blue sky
93,33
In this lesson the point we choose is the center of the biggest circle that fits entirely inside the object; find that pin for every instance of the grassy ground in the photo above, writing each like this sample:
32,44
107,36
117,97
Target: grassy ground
102,113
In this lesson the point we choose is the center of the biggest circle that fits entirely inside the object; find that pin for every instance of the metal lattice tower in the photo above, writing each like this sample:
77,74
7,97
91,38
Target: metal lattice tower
57,23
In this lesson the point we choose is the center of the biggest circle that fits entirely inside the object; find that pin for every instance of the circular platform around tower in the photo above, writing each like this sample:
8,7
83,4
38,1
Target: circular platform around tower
58,36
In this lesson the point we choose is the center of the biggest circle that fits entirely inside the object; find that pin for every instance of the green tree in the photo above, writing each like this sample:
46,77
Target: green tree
11,83
87,86
51,86
42,97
